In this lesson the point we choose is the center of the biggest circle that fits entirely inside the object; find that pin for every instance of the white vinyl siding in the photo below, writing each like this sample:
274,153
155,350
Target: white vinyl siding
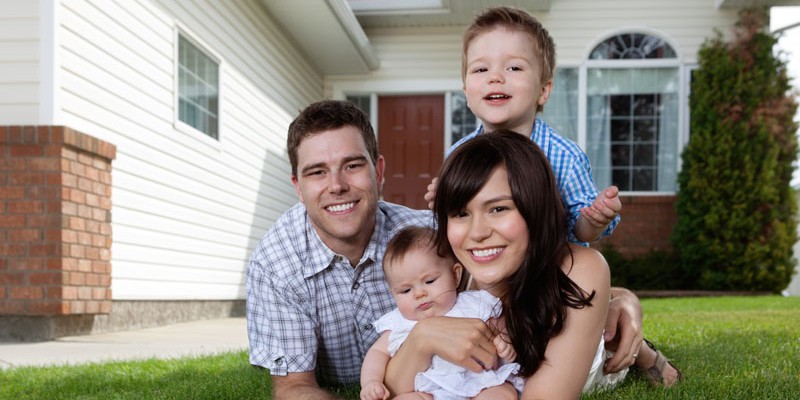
187,209
19,61
421,60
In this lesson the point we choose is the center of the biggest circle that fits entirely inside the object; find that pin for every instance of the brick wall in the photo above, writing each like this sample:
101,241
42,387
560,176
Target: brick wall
55,222
647,223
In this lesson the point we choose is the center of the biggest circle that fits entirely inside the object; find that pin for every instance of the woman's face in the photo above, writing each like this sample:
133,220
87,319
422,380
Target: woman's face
490,236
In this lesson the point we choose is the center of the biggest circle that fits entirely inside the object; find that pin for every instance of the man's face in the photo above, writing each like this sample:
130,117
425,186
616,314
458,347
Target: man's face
338,184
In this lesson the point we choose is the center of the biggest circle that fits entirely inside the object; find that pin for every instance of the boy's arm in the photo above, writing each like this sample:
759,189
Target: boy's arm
373,369
596,218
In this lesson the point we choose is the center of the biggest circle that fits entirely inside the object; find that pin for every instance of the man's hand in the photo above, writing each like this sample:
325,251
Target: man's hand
431,194
603,209
623,329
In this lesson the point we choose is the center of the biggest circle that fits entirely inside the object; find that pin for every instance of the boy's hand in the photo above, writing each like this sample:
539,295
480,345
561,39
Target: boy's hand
374,391
431,194
504,348
604,208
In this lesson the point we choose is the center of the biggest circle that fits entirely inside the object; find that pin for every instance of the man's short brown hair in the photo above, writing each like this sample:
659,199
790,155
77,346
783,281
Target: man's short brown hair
329,115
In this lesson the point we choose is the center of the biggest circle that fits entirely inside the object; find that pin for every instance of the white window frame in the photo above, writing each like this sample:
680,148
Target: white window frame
182,31
683,105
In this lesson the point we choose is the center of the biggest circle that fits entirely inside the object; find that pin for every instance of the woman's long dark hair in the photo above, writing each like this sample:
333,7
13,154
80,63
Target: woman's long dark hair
535,305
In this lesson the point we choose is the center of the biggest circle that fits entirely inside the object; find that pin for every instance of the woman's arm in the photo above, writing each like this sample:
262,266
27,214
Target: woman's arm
462,341
569,355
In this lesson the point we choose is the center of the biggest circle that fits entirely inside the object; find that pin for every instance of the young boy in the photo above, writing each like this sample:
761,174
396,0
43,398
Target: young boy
424,285
507,68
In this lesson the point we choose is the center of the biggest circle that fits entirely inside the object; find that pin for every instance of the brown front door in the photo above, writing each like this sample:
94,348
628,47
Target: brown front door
411,138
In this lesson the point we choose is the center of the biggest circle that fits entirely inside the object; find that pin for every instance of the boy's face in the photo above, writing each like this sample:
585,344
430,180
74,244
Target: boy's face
423,284
503,80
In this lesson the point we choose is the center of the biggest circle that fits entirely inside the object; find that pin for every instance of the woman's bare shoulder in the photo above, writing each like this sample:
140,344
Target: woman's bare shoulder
586,265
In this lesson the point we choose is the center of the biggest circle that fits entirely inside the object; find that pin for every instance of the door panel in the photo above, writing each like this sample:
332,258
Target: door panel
411,138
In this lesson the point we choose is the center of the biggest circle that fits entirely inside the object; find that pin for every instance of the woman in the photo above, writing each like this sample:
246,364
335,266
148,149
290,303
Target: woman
498,209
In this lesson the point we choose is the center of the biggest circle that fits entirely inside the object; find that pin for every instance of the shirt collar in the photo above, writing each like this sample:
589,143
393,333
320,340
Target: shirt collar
321,256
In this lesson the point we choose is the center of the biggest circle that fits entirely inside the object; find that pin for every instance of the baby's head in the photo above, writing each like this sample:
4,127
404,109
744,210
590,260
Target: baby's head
513,20
422,282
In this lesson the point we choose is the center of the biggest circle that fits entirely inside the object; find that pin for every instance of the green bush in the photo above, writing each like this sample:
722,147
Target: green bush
736,210
656,270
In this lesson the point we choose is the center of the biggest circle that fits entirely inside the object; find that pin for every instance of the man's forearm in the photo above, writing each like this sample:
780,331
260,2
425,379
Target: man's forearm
299,386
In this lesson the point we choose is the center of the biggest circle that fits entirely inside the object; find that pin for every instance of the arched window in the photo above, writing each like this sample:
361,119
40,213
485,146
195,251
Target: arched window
632,113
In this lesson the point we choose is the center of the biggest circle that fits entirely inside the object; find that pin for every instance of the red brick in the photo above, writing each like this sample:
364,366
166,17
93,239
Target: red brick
45,278
12,278
26,263
12,307
48,250
92,307
49,308
12,164
25,150
26,178
12,250
26,293
12,221
44,164
25,207
84,293
77,279
77,307
25,235
12,192
105,306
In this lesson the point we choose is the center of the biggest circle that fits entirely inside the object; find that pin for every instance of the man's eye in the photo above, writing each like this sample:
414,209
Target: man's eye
354,166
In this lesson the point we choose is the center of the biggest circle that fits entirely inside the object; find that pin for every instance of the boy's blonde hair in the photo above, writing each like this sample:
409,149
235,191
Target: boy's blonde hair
515,20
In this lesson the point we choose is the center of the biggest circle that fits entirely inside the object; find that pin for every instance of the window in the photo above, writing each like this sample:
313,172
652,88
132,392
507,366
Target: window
198,88
361,101
463,121
632,114
561,110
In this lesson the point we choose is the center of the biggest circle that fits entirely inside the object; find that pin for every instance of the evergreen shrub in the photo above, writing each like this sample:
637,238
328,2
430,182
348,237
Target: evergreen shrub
736,210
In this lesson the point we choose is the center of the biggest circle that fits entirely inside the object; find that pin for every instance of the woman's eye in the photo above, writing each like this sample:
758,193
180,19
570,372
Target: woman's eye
499,209
458,214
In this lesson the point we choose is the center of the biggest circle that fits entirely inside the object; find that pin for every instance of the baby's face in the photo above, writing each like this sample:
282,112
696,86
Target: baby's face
423,284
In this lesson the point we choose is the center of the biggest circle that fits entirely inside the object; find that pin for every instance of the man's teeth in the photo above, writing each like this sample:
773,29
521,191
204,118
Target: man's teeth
486,252
341,207
496,96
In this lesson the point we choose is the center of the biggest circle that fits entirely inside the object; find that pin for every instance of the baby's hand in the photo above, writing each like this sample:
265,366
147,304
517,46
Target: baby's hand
431,194
604,208
504,348
374,391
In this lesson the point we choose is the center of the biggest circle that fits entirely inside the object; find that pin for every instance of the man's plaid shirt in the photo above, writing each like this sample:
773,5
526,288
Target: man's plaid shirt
307,307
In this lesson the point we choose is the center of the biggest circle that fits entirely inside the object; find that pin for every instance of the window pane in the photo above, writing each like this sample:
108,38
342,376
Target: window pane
462,120
198,88
632,127
362,102
561,110
629,46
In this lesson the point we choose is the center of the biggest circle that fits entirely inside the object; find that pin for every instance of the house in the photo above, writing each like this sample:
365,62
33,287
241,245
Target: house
143,141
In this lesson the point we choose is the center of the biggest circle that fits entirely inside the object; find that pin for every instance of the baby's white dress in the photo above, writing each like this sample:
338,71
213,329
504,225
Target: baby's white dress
445,380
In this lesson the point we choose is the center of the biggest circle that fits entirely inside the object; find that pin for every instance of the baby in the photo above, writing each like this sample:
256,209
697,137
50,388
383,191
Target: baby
424,285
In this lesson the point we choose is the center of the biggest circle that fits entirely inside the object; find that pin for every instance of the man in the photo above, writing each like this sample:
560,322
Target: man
315,282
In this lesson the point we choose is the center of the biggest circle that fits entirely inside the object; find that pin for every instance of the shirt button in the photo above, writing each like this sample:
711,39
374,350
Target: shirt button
279,361
356,285
367,327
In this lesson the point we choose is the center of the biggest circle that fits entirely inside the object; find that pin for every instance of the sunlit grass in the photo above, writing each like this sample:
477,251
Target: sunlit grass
727,348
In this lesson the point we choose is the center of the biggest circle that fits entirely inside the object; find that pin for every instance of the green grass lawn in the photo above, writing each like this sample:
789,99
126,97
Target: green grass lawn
727,348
